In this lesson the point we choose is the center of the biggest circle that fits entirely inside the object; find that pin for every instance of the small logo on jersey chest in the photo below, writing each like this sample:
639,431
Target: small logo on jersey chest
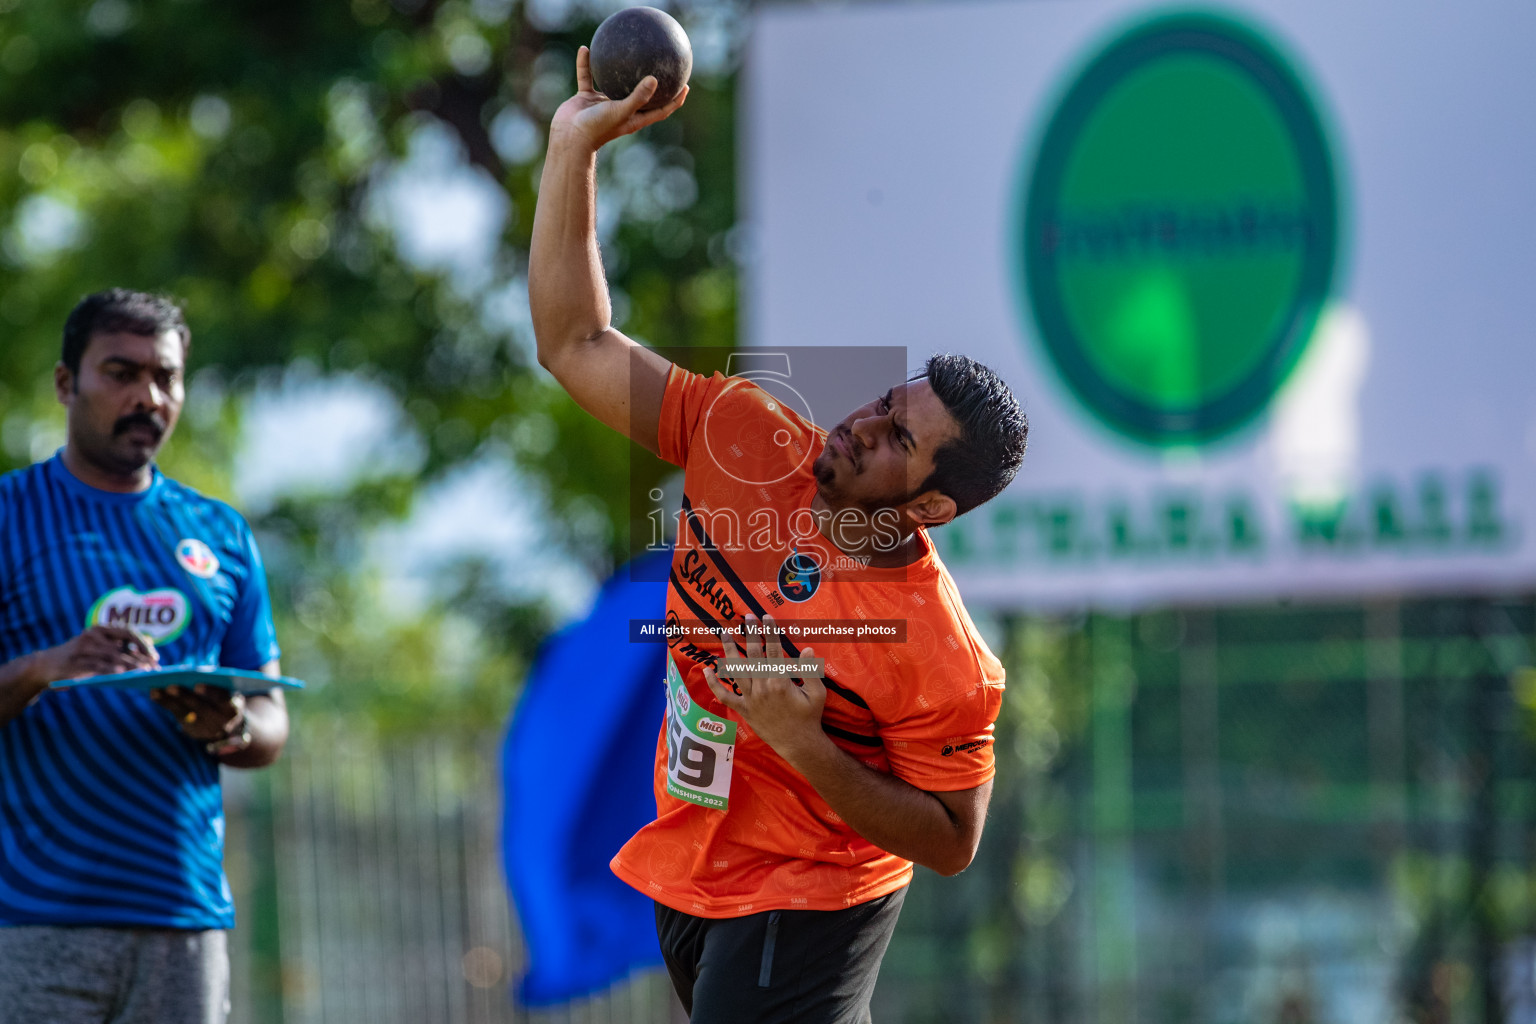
197,558
161,615
799,577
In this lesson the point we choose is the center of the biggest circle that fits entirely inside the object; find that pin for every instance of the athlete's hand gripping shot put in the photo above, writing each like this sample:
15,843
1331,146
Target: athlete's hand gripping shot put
114,907
796,783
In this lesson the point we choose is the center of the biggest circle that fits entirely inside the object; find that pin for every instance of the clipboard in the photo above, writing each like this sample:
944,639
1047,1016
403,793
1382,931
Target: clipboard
233,679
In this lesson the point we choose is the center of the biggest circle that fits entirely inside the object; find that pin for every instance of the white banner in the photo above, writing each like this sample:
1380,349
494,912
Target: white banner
1261,276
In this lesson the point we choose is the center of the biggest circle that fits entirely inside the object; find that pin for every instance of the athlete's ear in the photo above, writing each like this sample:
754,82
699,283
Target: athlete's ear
63,383
931,508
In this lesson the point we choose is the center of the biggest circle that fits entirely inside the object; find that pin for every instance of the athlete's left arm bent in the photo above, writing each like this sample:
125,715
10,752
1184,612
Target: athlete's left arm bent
939,830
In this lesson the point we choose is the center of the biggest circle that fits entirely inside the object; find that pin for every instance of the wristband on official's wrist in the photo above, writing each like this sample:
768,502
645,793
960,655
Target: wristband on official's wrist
231,744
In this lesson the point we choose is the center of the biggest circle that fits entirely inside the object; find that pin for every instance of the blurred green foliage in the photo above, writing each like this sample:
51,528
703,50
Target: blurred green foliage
237,155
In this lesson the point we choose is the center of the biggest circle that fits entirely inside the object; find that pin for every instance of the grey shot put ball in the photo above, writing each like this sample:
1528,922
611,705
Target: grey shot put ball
636,42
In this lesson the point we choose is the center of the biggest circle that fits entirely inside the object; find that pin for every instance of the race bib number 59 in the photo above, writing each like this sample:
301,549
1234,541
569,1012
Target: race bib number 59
700,748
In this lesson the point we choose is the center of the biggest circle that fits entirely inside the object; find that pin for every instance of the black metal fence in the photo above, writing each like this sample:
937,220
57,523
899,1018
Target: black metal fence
1266,815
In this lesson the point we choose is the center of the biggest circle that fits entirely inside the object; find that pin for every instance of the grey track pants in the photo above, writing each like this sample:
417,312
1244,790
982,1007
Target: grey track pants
64,975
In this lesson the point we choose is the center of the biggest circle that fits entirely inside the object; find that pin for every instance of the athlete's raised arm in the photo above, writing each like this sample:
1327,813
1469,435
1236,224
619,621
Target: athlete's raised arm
609,375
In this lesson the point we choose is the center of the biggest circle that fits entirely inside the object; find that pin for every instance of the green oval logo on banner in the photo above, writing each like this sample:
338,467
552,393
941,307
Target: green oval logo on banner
1180,230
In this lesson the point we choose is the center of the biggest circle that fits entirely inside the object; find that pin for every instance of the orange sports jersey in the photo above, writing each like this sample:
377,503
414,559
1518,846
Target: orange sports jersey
921,710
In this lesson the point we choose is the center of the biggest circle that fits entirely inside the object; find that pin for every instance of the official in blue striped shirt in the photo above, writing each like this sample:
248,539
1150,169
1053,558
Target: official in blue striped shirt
113,901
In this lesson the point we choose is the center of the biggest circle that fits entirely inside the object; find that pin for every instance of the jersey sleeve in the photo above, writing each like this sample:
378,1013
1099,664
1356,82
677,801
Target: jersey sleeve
948,746
251,640
683,407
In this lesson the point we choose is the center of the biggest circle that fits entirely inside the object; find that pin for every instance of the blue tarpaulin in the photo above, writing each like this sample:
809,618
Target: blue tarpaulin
576,771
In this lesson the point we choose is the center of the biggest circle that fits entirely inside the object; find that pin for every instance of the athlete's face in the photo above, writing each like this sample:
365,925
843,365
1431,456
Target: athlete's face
881,453
125,400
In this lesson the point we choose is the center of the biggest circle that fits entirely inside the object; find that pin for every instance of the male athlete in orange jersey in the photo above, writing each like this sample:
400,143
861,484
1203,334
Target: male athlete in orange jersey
793,795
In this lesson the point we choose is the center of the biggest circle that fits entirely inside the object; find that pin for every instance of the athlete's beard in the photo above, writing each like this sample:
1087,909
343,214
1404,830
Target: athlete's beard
823,469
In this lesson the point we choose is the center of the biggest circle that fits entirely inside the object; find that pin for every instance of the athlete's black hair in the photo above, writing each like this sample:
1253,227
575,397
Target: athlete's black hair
117,310
974,467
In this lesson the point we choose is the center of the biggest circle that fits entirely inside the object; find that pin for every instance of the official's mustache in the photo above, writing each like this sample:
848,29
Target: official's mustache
139,419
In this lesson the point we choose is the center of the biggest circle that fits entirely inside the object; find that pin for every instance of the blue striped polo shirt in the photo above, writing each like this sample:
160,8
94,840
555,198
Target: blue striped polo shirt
108,814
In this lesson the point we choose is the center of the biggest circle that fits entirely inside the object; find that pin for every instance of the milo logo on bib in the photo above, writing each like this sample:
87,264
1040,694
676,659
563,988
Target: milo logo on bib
161,615
700,748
